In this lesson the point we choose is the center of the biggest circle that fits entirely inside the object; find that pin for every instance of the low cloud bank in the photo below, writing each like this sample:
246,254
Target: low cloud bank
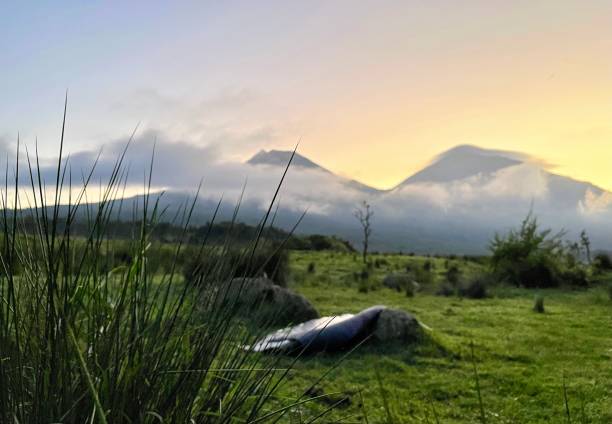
483,203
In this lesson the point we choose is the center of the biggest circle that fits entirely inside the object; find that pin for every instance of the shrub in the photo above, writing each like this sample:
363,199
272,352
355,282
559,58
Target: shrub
271,262
528,256
364,274
476,288
409,289
363,286
423,276
576,276
453,274
380,262
446,290
538,304
602,262
428,265
311,268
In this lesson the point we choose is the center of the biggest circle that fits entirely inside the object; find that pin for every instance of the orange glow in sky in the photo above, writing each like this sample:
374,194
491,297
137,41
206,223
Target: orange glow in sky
374,89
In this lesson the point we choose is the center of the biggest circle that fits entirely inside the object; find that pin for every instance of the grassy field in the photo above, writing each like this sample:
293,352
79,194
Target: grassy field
535,368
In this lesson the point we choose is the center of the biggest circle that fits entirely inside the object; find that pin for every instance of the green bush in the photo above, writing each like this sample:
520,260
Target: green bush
453,274
240,262
423,276
409,289
538,304
311,268
528,257
363,286
602,262
446,290
476,287
576,276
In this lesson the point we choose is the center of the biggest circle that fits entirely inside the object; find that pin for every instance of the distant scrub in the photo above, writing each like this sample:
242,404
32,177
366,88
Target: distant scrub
319,242
531,258
272,262
602,262
538,304
311,268
453,273
476,287
423,275
446,290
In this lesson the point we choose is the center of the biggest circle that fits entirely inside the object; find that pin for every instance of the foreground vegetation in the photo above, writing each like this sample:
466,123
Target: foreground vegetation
98,330
113,322
523,358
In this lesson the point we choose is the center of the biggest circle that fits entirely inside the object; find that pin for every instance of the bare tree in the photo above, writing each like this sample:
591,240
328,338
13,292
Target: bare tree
364,214
586,245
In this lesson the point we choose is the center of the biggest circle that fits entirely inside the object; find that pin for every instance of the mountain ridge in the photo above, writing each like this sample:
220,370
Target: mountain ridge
457,163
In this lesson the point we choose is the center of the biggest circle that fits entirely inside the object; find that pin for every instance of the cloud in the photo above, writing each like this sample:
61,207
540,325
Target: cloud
520,183
481,202
235,120
595,203
179,166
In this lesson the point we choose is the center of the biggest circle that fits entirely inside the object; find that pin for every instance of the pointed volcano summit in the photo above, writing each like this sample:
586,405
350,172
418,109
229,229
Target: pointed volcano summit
465,161
281,158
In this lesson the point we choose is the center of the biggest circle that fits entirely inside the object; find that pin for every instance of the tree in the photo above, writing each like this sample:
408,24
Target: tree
364,214
586,245
529,256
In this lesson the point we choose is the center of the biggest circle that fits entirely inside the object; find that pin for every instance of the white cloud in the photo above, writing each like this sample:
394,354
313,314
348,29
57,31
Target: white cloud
595,204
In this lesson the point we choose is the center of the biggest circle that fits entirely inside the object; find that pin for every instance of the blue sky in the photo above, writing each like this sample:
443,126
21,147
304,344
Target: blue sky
374,89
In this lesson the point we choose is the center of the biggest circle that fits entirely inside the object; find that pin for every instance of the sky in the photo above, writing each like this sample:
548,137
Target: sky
372,90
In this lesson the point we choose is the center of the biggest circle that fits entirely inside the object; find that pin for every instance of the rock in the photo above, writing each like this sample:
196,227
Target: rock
341,332
396,325
260,298
400,282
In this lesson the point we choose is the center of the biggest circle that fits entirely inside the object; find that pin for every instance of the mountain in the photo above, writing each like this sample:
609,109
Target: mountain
461,199
480,167
454,205
280,158
462,162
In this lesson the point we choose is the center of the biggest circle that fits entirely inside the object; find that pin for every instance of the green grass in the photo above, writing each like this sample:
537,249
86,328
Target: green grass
99,331
522,357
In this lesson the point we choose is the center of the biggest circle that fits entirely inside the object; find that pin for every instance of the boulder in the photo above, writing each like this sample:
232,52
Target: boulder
341,332
401,282
263,300
396,325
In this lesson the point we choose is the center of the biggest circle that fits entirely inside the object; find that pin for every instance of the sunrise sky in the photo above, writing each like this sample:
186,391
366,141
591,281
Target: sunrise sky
374,89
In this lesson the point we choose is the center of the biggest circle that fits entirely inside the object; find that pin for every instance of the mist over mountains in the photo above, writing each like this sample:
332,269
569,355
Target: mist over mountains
453,205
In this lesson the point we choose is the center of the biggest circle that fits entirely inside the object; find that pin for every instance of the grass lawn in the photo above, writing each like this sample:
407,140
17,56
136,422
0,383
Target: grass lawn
522,357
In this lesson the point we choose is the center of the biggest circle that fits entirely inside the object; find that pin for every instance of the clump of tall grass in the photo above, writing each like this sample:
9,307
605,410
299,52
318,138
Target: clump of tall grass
124,345
538,304
312,268
475,287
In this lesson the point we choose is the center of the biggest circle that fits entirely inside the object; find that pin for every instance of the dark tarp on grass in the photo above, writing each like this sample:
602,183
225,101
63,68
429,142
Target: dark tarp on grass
322,334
